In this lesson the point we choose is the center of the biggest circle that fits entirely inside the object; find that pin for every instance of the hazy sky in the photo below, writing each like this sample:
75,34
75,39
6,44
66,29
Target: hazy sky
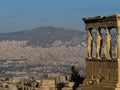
18,15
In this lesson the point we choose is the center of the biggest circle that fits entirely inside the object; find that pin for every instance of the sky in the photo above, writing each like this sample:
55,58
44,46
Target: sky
20,15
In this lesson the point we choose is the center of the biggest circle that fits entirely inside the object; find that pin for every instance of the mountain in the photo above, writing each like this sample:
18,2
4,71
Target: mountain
43,36
46,50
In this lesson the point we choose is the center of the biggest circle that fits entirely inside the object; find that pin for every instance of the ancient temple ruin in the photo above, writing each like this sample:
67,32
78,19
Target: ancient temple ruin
102,73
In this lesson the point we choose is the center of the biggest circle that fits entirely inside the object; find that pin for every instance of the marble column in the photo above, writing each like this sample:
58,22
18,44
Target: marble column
98,43
107,48
89,43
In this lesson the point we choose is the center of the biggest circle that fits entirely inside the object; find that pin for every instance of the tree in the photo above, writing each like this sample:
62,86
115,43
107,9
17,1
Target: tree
75,77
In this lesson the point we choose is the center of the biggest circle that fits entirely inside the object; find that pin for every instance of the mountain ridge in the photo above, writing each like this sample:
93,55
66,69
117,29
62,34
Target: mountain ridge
42,35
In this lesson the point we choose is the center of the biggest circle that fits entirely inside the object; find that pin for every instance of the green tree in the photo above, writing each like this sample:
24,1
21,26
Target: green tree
75,77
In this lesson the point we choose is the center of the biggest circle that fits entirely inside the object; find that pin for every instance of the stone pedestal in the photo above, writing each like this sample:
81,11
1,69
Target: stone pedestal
101,74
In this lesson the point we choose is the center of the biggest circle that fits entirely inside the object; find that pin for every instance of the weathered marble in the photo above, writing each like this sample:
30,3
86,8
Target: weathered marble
102,73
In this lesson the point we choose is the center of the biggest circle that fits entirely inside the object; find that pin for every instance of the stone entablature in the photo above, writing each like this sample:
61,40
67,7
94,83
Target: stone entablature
102,21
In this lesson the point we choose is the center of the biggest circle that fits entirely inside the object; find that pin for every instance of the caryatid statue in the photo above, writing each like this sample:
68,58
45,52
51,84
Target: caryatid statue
107,48
89,43
98,44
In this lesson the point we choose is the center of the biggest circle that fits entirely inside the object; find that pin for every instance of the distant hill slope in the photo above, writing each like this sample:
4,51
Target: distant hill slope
44,36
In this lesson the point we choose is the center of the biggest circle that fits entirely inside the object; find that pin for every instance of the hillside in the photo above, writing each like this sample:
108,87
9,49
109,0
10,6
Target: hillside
43,36
47,51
